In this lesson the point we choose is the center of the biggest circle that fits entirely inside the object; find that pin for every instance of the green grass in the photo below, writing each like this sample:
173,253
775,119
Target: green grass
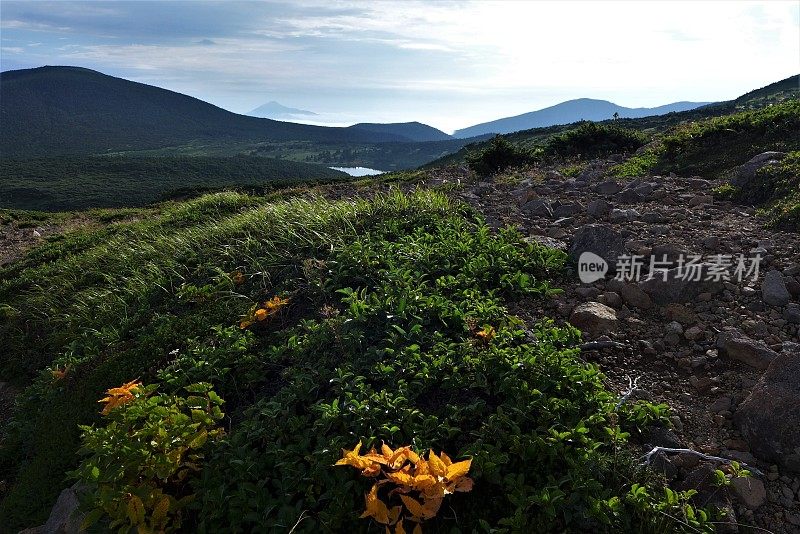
377,343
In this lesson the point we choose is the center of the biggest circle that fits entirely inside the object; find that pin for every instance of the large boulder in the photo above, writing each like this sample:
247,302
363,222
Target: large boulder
773,289
676,286
747,172
538,207
600,239
735,345
594,318
769,419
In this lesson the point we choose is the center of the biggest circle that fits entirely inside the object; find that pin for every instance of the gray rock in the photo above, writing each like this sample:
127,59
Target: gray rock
675,287
792,313
608,188
734,344
600,239
594,318
773,289
567,210
65,517
598,208
701,200
546,241
524,195
747,172
634,296
629,196
769,419
618,216
750,491
538,207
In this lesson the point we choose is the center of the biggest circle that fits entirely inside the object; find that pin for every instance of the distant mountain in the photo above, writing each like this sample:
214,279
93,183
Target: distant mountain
71,110
274,110
569,112
415,131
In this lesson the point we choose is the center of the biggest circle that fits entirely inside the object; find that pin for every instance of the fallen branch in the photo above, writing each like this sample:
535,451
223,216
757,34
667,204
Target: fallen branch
647,458
632,386
599,345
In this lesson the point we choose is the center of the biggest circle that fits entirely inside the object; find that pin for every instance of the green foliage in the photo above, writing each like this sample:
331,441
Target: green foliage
726,192
80,182
384,338
712,147
640,164
499,155
139,465
776,188
591,140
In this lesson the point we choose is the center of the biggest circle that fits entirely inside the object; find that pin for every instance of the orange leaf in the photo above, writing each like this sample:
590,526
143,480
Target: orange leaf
372,471
423,482
436,465
458,470
399,528
431,508
446,459
417,529
464,485
119,396
486,334
403,479
376,508
413,506
386,451
261,314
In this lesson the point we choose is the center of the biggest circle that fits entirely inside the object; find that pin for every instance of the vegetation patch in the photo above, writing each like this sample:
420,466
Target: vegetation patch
321,324
81,182
712,147
593,140
499,155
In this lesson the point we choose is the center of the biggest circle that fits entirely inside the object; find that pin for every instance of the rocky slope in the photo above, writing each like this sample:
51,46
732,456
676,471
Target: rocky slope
723,354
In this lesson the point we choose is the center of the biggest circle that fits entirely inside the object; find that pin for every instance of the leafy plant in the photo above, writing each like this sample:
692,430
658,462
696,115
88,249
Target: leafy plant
139,465
499,155
406,472
590,140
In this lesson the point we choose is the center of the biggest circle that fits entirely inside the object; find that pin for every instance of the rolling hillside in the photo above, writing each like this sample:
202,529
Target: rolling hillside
570,111
416,131
69,110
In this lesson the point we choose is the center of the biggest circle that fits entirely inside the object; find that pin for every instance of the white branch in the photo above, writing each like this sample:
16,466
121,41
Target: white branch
649,457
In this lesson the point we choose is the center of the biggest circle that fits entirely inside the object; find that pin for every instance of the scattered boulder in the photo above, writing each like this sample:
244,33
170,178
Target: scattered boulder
773,289
634,296
598,208
599,239
538,207
675,286
65,517
619,216
734,344
567,210
594,318
701,200
750,491
769,419
747,172
608,188
792,314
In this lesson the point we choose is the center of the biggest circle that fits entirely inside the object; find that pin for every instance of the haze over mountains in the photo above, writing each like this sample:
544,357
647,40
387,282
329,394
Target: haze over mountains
275,110
568,112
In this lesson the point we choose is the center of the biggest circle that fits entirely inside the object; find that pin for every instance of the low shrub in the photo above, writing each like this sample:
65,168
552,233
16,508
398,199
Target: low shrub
592,140
499,155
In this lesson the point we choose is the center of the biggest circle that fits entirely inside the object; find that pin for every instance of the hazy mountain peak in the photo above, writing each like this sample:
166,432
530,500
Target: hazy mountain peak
276,110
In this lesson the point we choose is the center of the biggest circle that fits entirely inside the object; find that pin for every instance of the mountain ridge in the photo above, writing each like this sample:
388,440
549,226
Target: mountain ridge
568,112
416,131
276,110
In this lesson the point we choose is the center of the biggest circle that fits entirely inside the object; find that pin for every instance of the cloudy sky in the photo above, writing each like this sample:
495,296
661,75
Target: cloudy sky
450,64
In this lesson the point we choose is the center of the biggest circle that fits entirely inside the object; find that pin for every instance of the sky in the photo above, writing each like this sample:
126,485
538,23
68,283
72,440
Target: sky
447,64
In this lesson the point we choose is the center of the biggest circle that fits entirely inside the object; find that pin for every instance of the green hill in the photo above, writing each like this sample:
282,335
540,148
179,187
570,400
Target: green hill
415,131
70,110
80,182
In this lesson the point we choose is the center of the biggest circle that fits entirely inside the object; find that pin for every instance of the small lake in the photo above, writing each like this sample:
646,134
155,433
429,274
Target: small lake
358,171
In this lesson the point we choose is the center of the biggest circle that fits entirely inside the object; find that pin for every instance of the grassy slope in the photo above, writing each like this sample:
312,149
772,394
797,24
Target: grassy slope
377,344
80,182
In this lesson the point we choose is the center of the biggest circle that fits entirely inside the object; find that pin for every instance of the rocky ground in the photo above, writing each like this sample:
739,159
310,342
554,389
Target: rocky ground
722,354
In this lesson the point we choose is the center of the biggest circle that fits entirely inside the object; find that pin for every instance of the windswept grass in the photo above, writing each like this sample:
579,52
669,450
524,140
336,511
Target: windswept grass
392,327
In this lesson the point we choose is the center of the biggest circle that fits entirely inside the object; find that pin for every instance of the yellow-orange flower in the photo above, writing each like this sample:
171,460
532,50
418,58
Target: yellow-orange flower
119,396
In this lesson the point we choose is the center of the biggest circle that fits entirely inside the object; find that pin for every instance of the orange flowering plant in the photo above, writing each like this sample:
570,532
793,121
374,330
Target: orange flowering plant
419,485
261,313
